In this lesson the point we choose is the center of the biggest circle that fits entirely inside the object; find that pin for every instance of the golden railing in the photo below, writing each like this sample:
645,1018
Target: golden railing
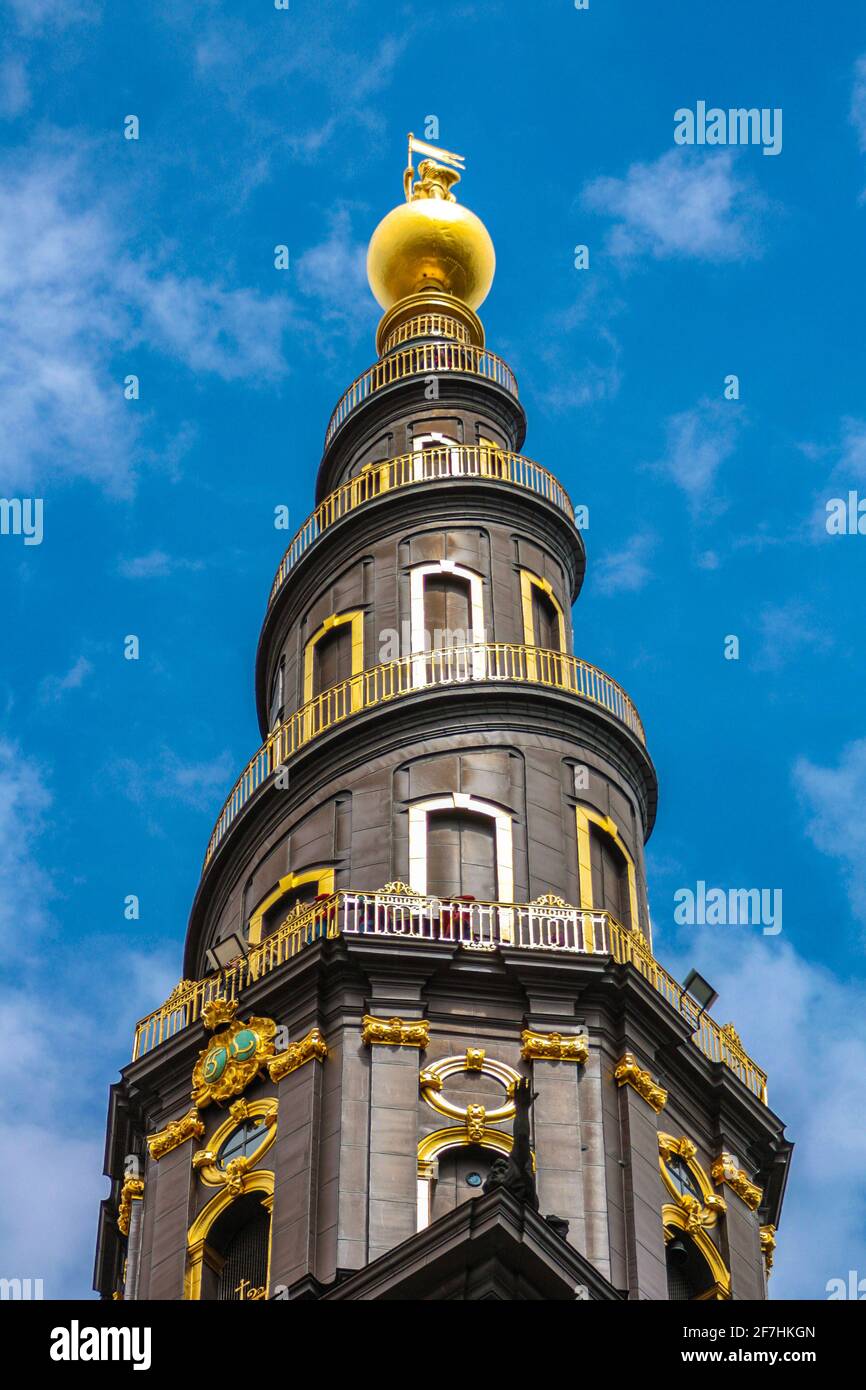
492,661
426,326
425,359
421,466
545,925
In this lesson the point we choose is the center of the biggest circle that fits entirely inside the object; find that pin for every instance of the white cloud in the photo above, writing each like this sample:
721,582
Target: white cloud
807,1028
74,303
858,101
834,798
156,564
699,441
24,888
334,273
199,785
627,569
785,630
53,688
14,86
683,205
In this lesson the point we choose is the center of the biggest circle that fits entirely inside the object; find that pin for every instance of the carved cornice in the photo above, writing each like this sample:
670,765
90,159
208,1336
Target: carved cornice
132,1191
554,1047
628,1073
725,1170
394,1032
311,1048
175,1133
768,1246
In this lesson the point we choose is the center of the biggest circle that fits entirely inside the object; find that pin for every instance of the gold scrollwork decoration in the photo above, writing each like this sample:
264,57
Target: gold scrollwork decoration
628,1073
725,1170
132,1191
768,1246
232,1059
400,889
394,1032
698,1212
176,1132
476,1117
257,1112
311,1048
554,1047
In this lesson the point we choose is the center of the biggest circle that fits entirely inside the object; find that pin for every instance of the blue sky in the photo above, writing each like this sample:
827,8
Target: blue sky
155,257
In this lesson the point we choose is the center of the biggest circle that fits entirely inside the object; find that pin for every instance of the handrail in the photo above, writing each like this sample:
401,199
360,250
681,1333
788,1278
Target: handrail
453,461
407,675
424,359
545,925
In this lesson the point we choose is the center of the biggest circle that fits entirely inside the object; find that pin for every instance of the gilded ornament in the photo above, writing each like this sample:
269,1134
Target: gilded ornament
699,1213
430,1080
476,1117
180,993
394,1032
730,1035
312,1047
232,1059
474,1058
550,900
628,1073
217,1012
176,1132
725,1170
554,1047
132,1191
768,1245
400,889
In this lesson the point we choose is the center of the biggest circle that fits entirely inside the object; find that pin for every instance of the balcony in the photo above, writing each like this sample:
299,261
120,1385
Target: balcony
397,912
424,359
454,462
483,662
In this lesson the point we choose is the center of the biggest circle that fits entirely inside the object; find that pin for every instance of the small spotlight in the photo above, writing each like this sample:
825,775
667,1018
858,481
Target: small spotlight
226,951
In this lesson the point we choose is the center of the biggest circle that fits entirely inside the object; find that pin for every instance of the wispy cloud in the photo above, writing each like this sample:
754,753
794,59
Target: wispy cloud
684,205
156,564
785,632
75,302
858,101
334,274
53,688
832,1104
200,785
698,442
834,798
627,569
25,889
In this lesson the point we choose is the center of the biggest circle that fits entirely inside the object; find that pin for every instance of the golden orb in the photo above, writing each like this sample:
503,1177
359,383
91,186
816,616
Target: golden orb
431,243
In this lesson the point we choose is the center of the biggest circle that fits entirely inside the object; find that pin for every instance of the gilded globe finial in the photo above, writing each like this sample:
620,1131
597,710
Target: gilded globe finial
431,243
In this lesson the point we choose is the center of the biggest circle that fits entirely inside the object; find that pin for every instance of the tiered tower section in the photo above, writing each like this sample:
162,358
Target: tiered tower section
430,880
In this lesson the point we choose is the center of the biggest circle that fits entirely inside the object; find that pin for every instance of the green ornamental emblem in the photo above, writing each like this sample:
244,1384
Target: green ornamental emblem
233,1058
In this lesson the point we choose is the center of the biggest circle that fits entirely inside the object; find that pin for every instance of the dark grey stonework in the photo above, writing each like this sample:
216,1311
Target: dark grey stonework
344,1216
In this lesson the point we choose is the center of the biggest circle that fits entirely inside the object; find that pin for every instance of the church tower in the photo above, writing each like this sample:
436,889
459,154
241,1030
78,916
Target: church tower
427,884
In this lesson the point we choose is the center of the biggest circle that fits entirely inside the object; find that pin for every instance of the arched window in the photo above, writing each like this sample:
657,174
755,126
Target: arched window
447,612
235,1265
461,855
334,653
543,618
459,847
689,1275
292,890
461,1173
435,455
277,701
608,882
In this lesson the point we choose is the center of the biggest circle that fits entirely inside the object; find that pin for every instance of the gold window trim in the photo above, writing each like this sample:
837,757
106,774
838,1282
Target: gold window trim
528,582
323,878
356,618
204,1161
198,1250
675,1218
583,816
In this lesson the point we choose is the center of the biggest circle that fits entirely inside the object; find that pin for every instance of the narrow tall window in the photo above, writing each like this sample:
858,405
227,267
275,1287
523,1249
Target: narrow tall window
610,886
461,855
332,658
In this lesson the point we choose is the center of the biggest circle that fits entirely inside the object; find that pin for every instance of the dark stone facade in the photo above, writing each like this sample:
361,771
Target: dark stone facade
344,1157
